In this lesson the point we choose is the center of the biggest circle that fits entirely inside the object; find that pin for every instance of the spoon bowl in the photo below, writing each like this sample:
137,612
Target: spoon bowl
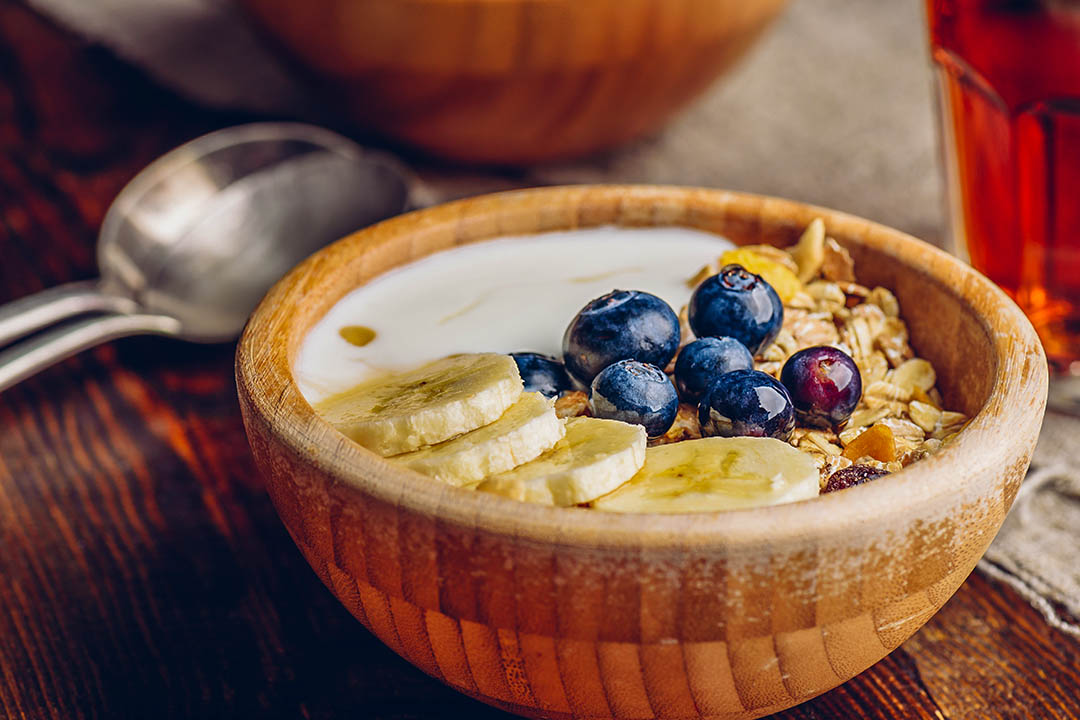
194,241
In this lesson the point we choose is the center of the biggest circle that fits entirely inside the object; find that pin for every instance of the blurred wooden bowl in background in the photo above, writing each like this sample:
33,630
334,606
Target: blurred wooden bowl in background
515,81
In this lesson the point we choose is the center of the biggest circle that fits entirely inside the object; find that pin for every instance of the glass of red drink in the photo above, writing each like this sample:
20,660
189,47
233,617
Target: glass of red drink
1009,77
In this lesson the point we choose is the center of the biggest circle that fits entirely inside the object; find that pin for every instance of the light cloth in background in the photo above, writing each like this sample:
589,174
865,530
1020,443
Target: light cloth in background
834,107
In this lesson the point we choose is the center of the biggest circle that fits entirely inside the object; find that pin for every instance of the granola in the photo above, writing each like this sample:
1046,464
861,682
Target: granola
900,417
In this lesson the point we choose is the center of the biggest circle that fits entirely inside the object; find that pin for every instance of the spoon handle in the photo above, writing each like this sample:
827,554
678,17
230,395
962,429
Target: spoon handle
27,358
29,314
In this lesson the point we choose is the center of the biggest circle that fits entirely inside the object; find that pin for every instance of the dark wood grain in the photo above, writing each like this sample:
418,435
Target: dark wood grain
143,572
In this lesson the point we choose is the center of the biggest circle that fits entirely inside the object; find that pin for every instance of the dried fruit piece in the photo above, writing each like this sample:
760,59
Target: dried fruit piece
775,254
784,282
877,442
852,476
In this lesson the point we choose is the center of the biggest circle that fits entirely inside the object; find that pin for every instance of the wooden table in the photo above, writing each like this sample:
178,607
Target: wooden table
143,572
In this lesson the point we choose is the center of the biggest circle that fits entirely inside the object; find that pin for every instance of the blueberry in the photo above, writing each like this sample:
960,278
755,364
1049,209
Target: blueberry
542,373
824,384
747,402
622,325
701,362
736,303
635,392
851,476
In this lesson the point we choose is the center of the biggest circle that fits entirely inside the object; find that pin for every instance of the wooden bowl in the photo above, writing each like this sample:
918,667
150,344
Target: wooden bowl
515,81
574,613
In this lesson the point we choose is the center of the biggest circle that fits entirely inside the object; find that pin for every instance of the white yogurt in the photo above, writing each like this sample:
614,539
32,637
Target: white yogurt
501,295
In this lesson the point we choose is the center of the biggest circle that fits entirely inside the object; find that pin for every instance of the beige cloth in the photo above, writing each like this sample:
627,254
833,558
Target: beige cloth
1037,549
834,107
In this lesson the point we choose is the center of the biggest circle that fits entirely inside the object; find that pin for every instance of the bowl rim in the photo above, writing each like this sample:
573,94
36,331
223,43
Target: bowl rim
987,445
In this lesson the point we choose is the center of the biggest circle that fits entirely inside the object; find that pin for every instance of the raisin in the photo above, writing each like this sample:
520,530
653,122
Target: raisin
852,476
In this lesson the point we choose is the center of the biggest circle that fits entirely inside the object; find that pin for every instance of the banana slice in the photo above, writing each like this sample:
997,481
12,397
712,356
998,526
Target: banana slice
716,474
404,411
594,458
524,431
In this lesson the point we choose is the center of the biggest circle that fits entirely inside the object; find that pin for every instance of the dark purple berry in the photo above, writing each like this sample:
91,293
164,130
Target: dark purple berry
824,384
851,476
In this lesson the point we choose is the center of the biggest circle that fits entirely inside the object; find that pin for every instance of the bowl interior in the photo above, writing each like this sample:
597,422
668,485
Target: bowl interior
945,327
989,361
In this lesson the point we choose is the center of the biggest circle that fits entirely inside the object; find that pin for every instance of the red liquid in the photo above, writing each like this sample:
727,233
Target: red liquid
1009,72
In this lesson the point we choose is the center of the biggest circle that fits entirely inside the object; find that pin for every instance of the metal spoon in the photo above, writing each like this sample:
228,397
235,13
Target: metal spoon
194,241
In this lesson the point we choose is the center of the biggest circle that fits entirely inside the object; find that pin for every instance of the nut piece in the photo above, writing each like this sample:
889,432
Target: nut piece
809,252
876,443
685,427
893,342
572,404
884,299
837,265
